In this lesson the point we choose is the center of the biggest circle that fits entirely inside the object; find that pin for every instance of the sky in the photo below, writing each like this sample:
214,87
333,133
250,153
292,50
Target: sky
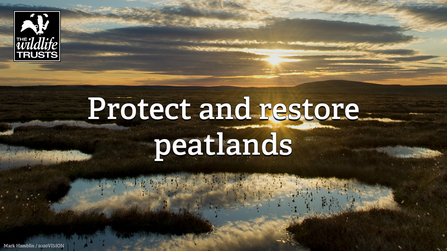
240,43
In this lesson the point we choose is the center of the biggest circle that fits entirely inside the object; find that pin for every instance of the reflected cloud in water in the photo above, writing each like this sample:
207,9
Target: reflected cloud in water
262,233
16,156
241,127
227,196
249,211
384,120
309,125
409,152
79,123
258,234
306,125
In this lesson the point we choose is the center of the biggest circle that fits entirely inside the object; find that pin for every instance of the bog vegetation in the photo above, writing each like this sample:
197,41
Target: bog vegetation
420,185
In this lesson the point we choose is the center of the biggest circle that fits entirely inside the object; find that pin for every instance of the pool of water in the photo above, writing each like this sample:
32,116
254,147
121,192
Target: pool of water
384,120
409,152
309,125
306,125
248,211
78,123
17,156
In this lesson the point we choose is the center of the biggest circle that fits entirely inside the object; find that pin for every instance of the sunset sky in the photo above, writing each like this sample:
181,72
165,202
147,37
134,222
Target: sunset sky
240,43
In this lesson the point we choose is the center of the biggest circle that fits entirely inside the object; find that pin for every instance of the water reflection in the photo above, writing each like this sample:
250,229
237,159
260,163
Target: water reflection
309,125
225,192
306,125
54,123
249,211
384,120
7,132
262,233
16,156
409,152
247,126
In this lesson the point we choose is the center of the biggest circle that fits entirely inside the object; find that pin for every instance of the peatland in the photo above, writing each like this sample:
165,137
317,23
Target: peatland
419,185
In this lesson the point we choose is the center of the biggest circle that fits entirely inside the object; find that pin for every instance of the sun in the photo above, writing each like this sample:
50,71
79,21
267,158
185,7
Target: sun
272,120
274,60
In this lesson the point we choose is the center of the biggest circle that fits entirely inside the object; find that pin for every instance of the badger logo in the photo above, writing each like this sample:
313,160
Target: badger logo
38,29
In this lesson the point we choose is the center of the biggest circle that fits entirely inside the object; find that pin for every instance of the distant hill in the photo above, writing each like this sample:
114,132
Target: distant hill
77,87
345,86
328,86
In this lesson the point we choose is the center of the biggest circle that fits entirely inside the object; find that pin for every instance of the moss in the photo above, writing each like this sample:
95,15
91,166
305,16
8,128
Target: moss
376,229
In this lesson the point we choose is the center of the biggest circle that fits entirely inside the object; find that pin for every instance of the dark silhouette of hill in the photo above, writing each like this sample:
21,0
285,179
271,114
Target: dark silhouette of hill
328,86
345,86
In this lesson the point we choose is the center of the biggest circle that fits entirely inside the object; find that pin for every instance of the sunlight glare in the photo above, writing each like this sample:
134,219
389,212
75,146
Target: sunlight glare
274,60
274,121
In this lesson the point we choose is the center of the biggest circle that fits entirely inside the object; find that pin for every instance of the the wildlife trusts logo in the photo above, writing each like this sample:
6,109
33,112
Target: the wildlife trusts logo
28,24
37,35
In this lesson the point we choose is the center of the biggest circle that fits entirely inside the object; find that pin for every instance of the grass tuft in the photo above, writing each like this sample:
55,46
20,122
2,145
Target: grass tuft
4,127
133,220
376,229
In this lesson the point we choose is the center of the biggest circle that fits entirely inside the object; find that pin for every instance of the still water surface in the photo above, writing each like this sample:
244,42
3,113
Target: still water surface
409,152
306,125
79,123
248,211
17,156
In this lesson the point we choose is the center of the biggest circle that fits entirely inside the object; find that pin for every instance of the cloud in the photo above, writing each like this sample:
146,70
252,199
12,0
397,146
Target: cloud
395,52
214,52
317,30
289,30
227,41
420,15
213,10
415,58
225,52
4,66
427,16
7,11
6,30
6,54
219,52
185,14
173,62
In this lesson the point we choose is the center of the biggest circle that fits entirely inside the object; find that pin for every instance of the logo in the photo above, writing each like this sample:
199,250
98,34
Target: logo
37,35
